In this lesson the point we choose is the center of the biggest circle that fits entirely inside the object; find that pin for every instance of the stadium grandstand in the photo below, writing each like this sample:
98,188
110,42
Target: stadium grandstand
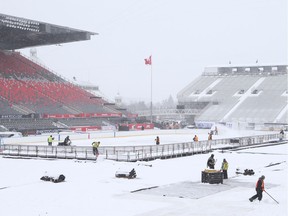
33,99
246,96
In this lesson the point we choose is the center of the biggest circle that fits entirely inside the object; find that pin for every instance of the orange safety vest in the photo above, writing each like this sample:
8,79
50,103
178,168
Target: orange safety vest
260,186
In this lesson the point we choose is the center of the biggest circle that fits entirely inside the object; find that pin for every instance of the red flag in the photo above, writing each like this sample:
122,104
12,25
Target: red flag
148,61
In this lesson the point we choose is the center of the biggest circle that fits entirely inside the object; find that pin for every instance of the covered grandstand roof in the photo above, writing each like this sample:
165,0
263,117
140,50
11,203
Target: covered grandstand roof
246,70
17,33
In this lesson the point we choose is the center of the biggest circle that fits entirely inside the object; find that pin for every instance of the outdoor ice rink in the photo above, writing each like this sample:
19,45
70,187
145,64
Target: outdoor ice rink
175,184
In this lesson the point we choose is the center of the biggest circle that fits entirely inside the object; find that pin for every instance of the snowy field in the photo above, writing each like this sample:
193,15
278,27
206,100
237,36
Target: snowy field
175,184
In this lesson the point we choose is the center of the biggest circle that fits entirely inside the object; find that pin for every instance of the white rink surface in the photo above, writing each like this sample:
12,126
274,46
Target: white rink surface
92,188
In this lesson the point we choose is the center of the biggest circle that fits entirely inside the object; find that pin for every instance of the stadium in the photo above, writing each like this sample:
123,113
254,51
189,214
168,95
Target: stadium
34,99
35,102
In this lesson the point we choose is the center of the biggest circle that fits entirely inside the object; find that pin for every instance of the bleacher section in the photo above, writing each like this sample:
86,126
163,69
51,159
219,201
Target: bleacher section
6,108
26,87
22,124
283,118
11,65
19,92
195,88
26,83
265,106
225,96
76,122
254,95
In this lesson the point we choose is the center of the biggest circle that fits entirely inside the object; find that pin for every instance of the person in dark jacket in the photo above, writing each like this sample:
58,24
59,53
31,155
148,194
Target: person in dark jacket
210,135
67,141
281,135
157,140
259,189
211,162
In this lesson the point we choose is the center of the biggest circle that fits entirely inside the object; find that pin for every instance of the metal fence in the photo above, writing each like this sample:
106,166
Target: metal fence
148,152
135,153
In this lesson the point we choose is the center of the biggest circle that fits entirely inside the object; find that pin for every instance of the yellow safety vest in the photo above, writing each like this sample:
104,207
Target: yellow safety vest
225,166
95,144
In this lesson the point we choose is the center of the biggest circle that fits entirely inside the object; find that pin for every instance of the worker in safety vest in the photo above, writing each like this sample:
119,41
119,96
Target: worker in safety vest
50,140
95,146
259,189
224,168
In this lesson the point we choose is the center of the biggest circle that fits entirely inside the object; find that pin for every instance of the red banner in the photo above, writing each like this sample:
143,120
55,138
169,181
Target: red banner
82,115
86,128
139,126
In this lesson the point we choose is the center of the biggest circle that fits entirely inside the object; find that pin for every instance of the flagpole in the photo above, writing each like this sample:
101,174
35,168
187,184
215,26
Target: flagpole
148,61
151,112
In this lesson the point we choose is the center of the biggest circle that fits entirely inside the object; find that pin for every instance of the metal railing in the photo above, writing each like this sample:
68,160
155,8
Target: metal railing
149,152
135,153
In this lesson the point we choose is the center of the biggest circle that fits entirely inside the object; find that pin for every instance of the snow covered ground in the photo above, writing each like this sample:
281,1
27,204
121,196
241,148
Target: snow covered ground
92,189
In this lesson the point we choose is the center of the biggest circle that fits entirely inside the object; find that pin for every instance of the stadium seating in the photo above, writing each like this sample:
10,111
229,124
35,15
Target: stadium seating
25,82
6,107
22,124
267,105
11,65
70,122
23,93
254,96
27,87
196,87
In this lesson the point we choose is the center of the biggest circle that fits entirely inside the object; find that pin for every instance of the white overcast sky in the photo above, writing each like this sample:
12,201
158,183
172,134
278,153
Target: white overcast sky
183,37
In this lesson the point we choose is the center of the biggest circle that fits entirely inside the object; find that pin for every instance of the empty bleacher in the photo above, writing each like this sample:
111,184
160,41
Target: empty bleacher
243,94
224,96
26,83
284,117
26,87
265,106
76,122
23,93
7,108
22,124
11,65
196,87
